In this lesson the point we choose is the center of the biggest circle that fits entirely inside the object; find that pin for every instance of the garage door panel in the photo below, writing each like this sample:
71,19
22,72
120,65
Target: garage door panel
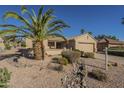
85,47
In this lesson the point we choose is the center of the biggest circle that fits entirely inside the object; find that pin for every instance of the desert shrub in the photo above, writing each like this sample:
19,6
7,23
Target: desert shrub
109,64
89,55
4,77
114,64
98,74
82,52
55,58
72,56
63,61
59,68
76,50
7,46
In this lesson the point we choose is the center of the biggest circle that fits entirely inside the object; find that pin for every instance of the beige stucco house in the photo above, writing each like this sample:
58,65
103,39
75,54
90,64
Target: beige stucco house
106,42
55,45
84,42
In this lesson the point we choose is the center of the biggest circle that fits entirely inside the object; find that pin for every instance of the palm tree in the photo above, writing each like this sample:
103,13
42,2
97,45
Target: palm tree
37,27
82,31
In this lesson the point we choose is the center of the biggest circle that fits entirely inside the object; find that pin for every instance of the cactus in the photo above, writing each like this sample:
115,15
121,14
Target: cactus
4,77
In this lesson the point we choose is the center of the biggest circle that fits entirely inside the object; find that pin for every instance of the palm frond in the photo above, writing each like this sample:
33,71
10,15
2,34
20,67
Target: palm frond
17,16
46,20
23,9
56,22
34,14
26,32
49,12
47,16
58,28
40,12
7,32
8,26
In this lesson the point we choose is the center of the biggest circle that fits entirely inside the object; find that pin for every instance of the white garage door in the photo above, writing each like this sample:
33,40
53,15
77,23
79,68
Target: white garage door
86,47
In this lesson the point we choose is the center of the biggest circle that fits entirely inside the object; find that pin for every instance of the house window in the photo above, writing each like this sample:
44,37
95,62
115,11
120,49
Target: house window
51,44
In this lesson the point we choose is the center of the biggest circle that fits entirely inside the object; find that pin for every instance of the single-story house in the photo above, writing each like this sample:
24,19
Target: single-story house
84,42
2,46
55,45
106,42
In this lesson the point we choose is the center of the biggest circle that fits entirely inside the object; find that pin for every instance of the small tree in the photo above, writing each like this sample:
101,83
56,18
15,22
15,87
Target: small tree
106,36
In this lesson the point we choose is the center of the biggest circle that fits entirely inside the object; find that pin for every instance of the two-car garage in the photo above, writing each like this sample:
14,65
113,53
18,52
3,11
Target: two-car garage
85,42
87,47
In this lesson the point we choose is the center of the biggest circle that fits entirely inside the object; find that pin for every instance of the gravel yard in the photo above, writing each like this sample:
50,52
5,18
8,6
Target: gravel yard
111,58
29,73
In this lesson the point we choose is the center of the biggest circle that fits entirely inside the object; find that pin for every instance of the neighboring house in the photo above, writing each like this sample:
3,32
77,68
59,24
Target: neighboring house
106,42
55,45
84,42
2,46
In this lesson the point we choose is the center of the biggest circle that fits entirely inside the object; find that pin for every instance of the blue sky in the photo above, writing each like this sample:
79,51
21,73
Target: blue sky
97,19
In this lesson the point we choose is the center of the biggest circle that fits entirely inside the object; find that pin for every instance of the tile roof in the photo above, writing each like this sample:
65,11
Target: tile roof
73,37
110,41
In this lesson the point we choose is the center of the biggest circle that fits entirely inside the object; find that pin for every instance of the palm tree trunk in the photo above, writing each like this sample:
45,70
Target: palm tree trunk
42,50
37,50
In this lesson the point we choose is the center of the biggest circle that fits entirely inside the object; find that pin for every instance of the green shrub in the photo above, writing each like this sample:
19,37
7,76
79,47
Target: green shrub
116,52
89,55
63,61
4,77
98,74
7,46
72,56
119,48
23,44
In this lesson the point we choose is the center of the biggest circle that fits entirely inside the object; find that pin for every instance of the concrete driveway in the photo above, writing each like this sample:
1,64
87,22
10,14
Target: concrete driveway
111,58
